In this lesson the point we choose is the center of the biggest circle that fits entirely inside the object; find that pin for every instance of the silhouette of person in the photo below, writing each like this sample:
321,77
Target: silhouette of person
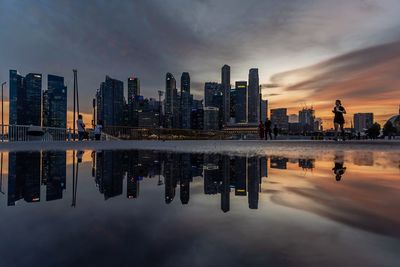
261,130
276,131
267,128
338,168
338,120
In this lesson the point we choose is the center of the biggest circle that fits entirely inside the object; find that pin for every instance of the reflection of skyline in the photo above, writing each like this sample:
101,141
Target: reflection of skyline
221,174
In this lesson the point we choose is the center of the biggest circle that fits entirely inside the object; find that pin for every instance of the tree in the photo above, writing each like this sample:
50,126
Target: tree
374,131
389,129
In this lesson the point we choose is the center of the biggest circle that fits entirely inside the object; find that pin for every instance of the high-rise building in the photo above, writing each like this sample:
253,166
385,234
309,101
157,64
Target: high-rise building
25,99
54,173
226,89
55,102
307,118
239,102
197,115
264,110
133,89
171,96
111,102
253,97
280,118
185,101
363,121
211,89
211,118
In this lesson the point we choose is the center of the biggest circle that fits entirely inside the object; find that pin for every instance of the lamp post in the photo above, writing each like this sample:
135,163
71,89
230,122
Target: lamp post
2,111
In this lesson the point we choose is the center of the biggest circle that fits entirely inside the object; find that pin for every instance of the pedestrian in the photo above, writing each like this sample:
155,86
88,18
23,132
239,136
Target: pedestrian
97,130
261,130
338,120
276,131
268,129
81,128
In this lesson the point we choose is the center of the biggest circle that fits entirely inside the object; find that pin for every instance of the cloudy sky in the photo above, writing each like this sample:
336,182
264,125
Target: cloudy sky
308,52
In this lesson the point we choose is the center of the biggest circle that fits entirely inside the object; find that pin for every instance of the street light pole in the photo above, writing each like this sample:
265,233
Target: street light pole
2,112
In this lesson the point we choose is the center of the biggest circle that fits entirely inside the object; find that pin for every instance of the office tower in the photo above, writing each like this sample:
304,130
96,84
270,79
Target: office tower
25,99
111,102
363,121
253,181
55,103
307,118
280,119
133,89
109,173
211,118
211,177
239,102
170,177
253,97
185,101
170,99
226,89
240,176
210,90
264,110
54,173
197,115
185,177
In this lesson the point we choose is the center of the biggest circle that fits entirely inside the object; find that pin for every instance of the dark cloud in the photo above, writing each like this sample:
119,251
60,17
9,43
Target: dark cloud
150,37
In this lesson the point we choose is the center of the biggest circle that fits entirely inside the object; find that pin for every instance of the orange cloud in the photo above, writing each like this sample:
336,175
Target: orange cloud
366,80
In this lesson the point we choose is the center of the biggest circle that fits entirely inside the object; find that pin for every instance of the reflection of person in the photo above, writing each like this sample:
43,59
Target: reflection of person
267,127
338,120
339,169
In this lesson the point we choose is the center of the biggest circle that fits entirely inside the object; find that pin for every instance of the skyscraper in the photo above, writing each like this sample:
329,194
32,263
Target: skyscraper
25,99
280,118
111,102
170,99
307,118
185,101
363,121
240,102
211,89
253,97
226,89
55,103
133,89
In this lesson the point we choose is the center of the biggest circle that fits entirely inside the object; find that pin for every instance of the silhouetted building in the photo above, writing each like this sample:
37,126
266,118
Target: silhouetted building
110,104
239,102
278,163
55,103
363,121
54,173
254,181
185,101
264,110
253,97
279,117
109,173
133,89
226,184
25,99
306,119
171,100
240,176
226,90
197,115
211,118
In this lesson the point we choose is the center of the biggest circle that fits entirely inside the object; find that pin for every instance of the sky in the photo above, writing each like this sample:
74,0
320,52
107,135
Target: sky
308,52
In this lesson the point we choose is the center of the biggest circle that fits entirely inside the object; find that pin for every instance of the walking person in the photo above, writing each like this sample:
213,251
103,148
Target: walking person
261,130
276,131
338,120
97,130
81,128
268,130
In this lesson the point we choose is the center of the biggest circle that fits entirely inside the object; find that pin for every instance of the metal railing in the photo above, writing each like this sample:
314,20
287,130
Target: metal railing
13,133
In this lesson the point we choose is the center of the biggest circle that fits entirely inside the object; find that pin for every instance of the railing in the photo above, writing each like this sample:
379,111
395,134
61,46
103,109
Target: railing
14,133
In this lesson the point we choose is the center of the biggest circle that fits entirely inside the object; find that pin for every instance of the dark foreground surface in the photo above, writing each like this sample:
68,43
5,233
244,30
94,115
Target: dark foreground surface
149,208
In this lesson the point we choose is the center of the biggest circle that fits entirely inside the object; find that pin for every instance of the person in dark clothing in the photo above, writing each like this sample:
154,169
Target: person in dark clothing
261,130
339,169
276,131
267,128
338,120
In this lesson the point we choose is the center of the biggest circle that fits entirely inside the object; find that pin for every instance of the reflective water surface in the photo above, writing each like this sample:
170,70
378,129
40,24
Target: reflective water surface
149,208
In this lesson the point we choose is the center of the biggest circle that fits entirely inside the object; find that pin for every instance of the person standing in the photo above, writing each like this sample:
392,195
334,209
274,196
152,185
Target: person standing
338,120
81,127
261,130
276,131
97,130
268,130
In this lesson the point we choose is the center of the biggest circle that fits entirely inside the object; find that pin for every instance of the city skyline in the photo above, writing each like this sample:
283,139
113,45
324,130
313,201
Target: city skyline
330,62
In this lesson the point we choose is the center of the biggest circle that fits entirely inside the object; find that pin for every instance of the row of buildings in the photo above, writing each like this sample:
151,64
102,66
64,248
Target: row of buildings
29,105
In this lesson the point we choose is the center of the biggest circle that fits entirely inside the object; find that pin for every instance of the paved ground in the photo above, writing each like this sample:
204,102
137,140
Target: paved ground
256,147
